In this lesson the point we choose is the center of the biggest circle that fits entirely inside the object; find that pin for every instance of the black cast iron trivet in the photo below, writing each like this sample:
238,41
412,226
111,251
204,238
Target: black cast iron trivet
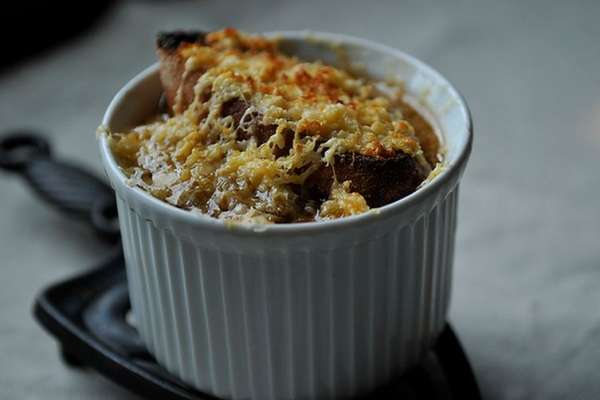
89,317
89,314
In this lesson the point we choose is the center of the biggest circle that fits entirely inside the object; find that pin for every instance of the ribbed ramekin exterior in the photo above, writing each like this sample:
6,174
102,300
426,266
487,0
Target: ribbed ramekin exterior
294,311
303,321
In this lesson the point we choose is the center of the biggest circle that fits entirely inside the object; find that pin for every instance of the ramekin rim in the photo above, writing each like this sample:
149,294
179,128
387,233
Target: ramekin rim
452,168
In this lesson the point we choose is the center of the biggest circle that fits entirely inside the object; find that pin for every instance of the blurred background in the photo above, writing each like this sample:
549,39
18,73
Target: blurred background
526,291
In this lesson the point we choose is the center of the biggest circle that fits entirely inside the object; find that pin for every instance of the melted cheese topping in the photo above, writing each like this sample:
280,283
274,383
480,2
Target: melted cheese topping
342,202
197,158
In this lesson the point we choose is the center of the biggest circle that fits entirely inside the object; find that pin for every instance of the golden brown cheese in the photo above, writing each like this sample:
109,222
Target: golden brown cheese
197,158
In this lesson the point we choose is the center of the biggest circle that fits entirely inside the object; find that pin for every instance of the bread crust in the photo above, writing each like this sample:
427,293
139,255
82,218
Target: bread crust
172,67
380,180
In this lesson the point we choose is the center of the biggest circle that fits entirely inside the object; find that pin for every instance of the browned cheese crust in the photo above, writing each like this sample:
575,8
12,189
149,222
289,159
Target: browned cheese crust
246,133
380,179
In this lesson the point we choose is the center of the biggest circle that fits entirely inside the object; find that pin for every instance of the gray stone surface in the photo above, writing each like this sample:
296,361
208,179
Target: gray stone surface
526,289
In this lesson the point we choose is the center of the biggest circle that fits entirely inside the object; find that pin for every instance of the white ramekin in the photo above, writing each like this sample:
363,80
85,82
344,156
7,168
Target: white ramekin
311,310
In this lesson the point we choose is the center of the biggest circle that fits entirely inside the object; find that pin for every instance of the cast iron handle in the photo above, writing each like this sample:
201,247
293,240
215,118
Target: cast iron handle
65,186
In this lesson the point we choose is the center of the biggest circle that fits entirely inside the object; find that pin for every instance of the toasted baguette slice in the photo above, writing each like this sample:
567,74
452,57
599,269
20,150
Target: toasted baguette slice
380,180
172,66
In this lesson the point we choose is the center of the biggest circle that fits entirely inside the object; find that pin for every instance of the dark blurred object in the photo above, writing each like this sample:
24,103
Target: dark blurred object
67,187
88,315
30,28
